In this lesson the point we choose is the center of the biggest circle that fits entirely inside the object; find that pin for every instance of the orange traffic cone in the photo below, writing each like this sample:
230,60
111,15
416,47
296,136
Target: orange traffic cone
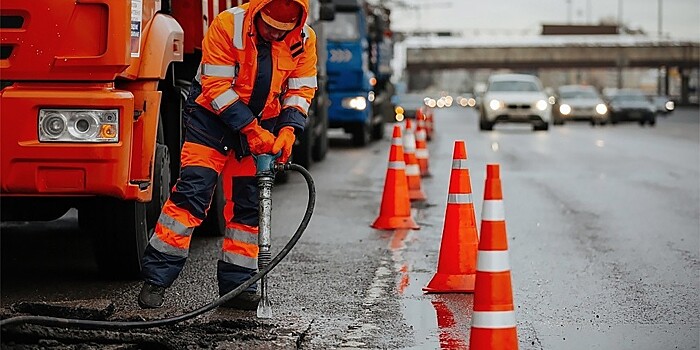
395,210
493,319
415,193
457,261
429,127
422,149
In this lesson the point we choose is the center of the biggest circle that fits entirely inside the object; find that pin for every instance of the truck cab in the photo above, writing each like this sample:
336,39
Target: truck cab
351,80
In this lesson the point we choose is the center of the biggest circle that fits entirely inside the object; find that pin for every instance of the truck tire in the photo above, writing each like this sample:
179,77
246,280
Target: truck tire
378,131
302,150
215,224
320,148
360,134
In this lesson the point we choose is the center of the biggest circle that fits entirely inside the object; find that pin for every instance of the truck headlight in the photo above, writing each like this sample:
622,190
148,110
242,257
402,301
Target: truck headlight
495,104
564,109
601,108
541,105
358,103
78,125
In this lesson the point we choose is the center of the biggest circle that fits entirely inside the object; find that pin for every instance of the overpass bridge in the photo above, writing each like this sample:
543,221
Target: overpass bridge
552,52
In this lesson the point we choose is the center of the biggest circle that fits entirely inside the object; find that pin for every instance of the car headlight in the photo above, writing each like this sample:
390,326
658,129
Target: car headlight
541,105
601,109
564,109
358,103
495,105
74,125
670,105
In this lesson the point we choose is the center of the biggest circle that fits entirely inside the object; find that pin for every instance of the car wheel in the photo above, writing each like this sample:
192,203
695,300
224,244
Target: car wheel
485,125
541,127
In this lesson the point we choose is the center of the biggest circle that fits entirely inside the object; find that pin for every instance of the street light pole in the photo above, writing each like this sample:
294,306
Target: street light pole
660,18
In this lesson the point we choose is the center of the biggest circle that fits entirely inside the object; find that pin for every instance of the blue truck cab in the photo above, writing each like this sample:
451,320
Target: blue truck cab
351,80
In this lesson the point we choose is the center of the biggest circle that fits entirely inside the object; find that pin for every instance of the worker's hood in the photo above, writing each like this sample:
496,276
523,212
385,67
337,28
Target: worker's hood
254,6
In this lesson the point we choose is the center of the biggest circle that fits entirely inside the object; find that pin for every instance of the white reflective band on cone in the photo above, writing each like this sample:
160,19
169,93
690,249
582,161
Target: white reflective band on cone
493,210
493,319
397,165
492,261
412,170
459,164
422,153
396,142
459,198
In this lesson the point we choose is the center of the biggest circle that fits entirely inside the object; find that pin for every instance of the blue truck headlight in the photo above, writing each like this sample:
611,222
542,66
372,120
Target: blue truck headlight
78,125
358,103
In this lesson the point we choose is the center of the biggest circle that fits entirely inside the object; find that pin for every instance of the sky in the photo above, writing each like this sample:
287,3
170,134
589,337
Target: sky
680,19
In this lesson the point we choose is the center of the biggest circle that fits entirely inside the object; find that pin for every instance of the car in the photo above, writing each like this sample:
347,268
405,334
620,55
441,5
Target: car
664,105
515,98
579,102
632,105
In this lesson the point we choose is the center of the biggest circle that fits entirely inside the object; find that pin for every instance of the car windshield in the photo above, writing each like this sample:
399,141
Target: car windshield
589,94
345,27
630,98
513,86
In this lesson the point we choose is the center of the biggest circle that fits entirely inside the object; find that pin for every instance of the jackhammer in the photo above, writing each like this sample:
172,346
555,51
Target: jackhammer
266,169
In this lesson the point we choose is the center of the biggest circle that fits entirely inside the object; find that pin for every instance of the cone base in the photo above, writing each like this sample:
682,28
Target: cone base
447,283
426,174
394,222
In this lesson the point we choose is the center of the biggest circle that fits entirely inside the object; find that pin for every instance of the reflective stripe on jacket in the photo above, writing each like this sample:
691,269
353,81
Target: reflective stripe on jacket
229,65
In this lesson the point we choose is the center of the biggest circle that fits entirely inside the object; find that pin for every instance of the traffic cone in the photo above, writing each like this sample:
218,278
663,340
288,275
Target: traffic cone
429,127
422,149
456,270
395,210
493,319
415,193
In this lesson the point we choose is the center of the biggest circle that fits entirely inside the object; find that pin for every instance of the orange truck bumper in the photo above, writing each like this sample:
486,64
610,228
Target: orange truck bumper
32,168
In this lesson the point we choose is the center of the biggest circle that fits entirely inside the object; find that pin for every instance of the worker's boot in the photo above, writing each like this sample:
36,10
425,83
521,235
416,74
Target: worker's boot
247,300
230,277
151,296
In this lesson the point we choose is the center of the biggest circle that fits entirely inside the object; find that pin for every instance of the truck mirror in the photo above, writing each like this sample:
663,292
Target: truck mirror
327,12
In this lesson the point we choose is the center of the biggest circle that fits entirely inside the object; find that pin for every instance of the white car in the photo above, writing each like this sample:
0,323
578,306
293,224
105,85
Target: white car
515,98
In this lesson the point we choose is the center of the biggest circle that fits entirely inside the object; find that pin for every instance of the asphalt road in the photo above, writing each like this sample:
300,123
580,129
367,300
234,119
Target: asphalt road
603,227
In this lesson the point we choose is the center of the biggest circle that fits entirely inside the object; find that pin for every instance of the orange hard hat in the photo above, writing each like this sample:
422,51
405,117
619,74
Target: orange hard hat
281,14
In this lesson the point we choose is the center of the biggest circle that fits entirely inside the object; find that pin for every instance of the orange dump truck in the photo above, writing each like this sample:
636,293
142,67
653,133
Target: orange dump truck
84,121
91,95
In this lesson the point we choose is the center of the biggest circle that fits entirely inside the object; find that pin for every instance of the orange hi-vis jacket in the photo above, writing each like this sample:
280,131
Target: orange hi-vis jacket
229,67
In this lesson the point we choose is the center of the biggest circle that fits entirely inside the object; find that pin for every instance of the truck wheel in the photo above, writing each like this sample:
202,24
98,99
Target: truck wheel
215,224
378,131
320,148
161,185
360,135
302,150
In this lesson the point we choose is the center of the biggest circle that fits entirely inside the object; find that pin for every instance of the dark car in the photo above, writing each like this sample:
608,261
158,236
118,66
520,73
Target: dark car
632,105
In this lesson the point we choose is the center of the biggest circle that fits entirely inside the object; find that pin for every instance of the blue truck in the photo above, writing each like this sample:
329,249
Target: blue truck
358,66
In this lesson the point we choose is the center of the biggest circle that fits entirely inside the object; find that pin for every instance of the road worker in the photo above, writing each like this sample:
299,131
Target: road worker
251,96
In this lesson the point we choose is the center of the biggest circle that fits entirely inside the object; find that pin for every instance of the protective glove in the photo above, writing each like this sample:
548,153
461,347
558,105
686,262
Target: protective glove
260,141
285,141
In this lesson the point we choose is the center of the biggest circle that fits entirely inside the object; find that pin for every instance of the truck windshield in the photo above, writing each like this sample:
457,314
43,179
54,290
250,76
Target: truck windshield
345,27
